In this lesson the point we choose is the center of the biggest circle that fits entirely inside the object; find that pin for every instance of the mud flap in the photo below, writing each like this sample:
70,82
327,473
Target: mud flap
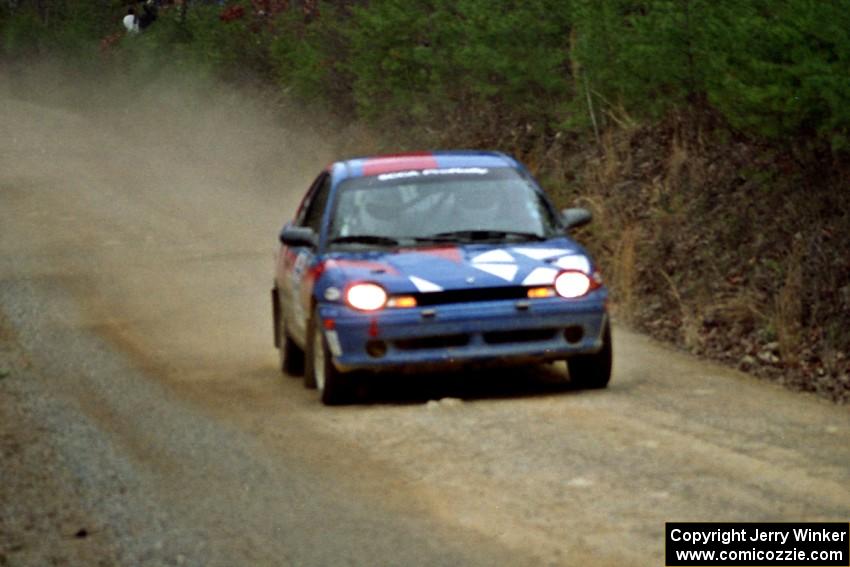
276,317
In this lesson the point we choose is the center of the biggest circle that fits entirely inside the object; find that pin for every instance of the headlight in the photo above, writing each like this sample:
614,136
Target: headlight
572,284
366,296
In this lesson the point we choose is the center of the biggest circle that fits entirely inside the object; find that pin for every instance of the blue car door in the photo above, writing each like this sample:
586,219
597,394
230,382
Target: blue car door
297,287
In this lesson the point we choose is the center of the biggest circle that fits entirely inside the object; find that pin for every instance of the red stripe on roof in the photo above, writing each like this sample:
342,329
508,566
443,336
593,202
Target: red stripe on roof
401,162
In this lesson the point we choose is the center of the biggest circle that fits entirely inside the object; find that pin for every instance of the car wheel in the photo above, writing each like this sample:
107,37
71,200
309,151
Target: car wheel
593,371
334,386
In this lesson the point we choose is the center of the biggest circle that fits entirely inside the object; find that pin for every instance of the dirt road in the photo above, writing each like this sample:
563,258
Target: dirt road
144,421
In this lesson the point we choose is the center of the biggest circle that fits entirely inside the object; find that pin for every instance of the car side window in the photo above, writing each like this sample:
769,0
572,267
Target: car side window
315,208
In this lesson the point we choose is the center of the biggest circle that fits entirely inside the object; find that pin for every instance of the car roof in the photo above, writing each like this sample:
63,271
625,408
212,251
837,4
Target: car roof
390,163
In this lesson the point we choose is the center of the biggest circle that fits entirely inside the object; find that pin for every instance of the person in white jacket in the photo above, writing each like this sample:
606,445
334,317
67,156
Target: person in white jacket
131,21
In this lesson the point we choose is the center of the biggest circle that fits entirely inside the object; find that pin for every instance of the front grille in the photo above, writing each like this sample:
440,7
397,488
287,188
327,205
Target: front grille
471,295
443,341
520,336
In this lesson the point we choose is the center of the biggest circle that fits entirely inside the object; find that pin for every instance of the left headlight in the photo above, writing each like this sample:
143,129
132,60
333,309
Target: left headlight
572,283
366,296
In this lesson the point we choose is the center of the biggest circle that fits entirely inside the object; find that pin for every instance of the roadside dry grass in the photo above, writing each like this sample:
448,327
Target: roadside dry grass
729,249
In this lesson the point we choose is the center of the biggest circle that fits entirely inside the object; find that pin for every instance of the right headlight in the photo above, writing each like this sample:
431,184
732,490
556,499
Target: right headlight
366,296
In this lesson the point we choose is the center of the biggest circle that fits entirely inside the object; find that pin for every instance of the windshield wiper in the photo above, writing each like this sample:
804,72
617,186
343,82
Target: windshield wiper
436,238
365,239
481,235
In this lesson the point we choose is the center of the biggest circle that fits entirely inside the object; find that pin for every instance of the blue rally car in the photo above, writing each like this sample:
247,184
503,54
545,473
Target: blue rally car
427,260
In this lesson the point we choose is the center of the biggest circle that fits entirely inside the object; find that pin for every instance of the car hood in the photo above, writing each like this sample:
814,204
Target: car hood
462,266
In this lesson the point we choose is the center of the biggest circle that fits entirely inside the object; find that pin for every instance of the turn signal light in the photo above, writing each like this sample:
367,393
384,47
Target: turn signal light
402,301
539,292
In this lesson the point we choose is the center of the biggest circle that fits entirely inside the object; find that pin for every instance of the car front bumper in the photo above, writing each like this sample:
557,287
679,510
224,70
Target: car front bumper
465,333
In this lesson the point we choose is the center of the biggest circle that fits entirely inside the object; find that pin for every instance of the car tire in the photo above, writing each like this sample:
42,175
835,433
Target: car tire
334,387
593,371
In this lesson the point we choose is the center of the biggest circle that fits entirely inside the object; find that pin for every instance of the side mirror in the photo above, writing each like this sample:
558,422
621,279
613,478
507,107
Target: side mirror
574,218
298,236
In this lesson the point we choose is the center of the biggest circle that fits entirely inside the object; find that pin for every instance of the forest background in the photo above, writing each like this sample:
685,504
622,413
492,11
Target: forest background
709,138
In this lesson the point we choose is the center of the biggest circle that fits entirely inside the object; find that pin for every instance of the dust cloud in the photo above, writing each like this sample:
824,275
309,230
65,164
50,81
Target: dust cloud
178,119
156,202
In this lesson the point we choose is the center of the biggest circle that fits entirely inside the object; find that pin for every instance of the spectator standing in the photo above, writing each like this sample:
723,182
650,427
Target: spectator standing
131,21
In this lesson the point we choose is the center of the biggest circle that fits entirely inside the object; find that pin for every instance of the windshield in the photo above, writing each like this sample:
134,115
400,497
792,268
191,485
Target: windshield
449,204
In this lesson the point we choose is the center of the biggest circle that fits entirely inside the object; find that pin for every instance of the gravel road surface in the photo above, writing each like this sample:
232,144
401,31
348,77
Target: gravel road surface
143,420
